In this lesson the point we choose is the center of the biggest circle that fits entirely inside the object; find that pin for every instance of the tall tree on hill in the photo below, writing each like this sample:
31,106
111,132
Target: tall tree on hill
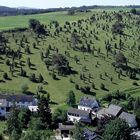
3,40
71,98
40,79
33,23
74,39
13,123
121,59
61,64
133,11
119,17
36,26
44,111
118,27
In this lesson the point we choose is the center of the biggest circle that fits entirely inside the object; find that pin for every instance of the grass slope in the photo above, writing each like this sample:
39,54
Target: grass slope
58,89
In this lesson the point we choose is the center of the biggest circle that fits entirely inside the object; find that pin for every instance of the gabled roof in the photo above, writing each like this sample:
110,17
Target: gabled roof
78,112
85,101
102,111
87,120
129,118
89,135
113,110
66,126
17,98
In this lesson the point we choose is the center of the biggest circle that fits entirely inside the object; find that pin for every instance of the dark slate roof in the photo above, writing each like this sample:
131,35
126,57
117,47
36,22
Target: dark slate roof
17,98
66,126
113,110
89,135
85,120
129,118
78,112
85,101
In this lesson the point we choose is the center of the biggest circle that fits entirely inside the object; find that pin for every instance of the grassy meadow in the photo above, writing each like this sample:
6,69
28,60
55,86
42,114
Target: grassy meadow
95,65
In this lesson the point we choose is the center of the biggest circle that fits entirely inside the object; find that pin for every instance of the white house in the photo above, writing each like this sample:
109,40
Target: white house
8,101
76,115
88,104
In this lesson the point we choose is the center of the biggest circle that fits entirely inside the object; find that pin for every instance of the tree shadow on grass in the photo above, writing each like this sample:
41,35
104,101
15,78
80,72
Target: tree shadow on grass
105,89
2,81
73,72
44,91
28,93
33,68
1,62
53,103
114,83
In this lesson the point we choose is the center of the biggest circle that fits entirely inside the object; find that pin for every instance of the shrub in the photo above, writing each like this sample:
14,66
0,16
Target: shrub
85,89
102,86
5,76
71,12
24,88
54,76
7,62
32,77
77,86
135,83
1,137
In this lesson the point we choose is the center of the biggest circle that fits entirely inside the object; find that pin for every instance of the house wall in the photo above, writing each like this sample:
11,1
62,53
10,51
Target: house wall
76,118
22,104
84,108
5,104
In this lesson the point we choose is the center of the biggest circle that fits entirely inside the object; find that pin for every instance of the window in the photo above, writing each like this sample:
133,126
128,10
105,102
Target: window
2,108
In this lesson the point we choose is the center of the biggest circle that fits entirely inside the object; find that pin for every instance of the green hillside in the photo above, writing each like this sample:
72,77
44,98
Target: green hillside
89,59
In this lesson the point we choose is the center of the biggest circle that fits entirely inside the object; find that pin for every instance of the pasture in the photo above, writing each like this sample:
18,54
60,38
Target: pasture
97,68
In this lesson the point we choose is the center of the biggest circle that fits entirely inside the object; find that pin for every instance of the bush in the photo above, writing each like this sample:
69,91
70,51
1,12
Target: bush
133,11
5,76
7,62
85,89
71,81
32,78
77,86
54,76
71,12
107,97
24,88
59,115
135,83
1,137
102,86
71,100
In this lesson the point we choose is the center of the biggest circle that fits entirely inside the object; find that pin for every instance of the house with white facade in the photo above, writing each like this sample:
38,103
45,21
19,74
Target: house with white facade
75,115
88,104
8,101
